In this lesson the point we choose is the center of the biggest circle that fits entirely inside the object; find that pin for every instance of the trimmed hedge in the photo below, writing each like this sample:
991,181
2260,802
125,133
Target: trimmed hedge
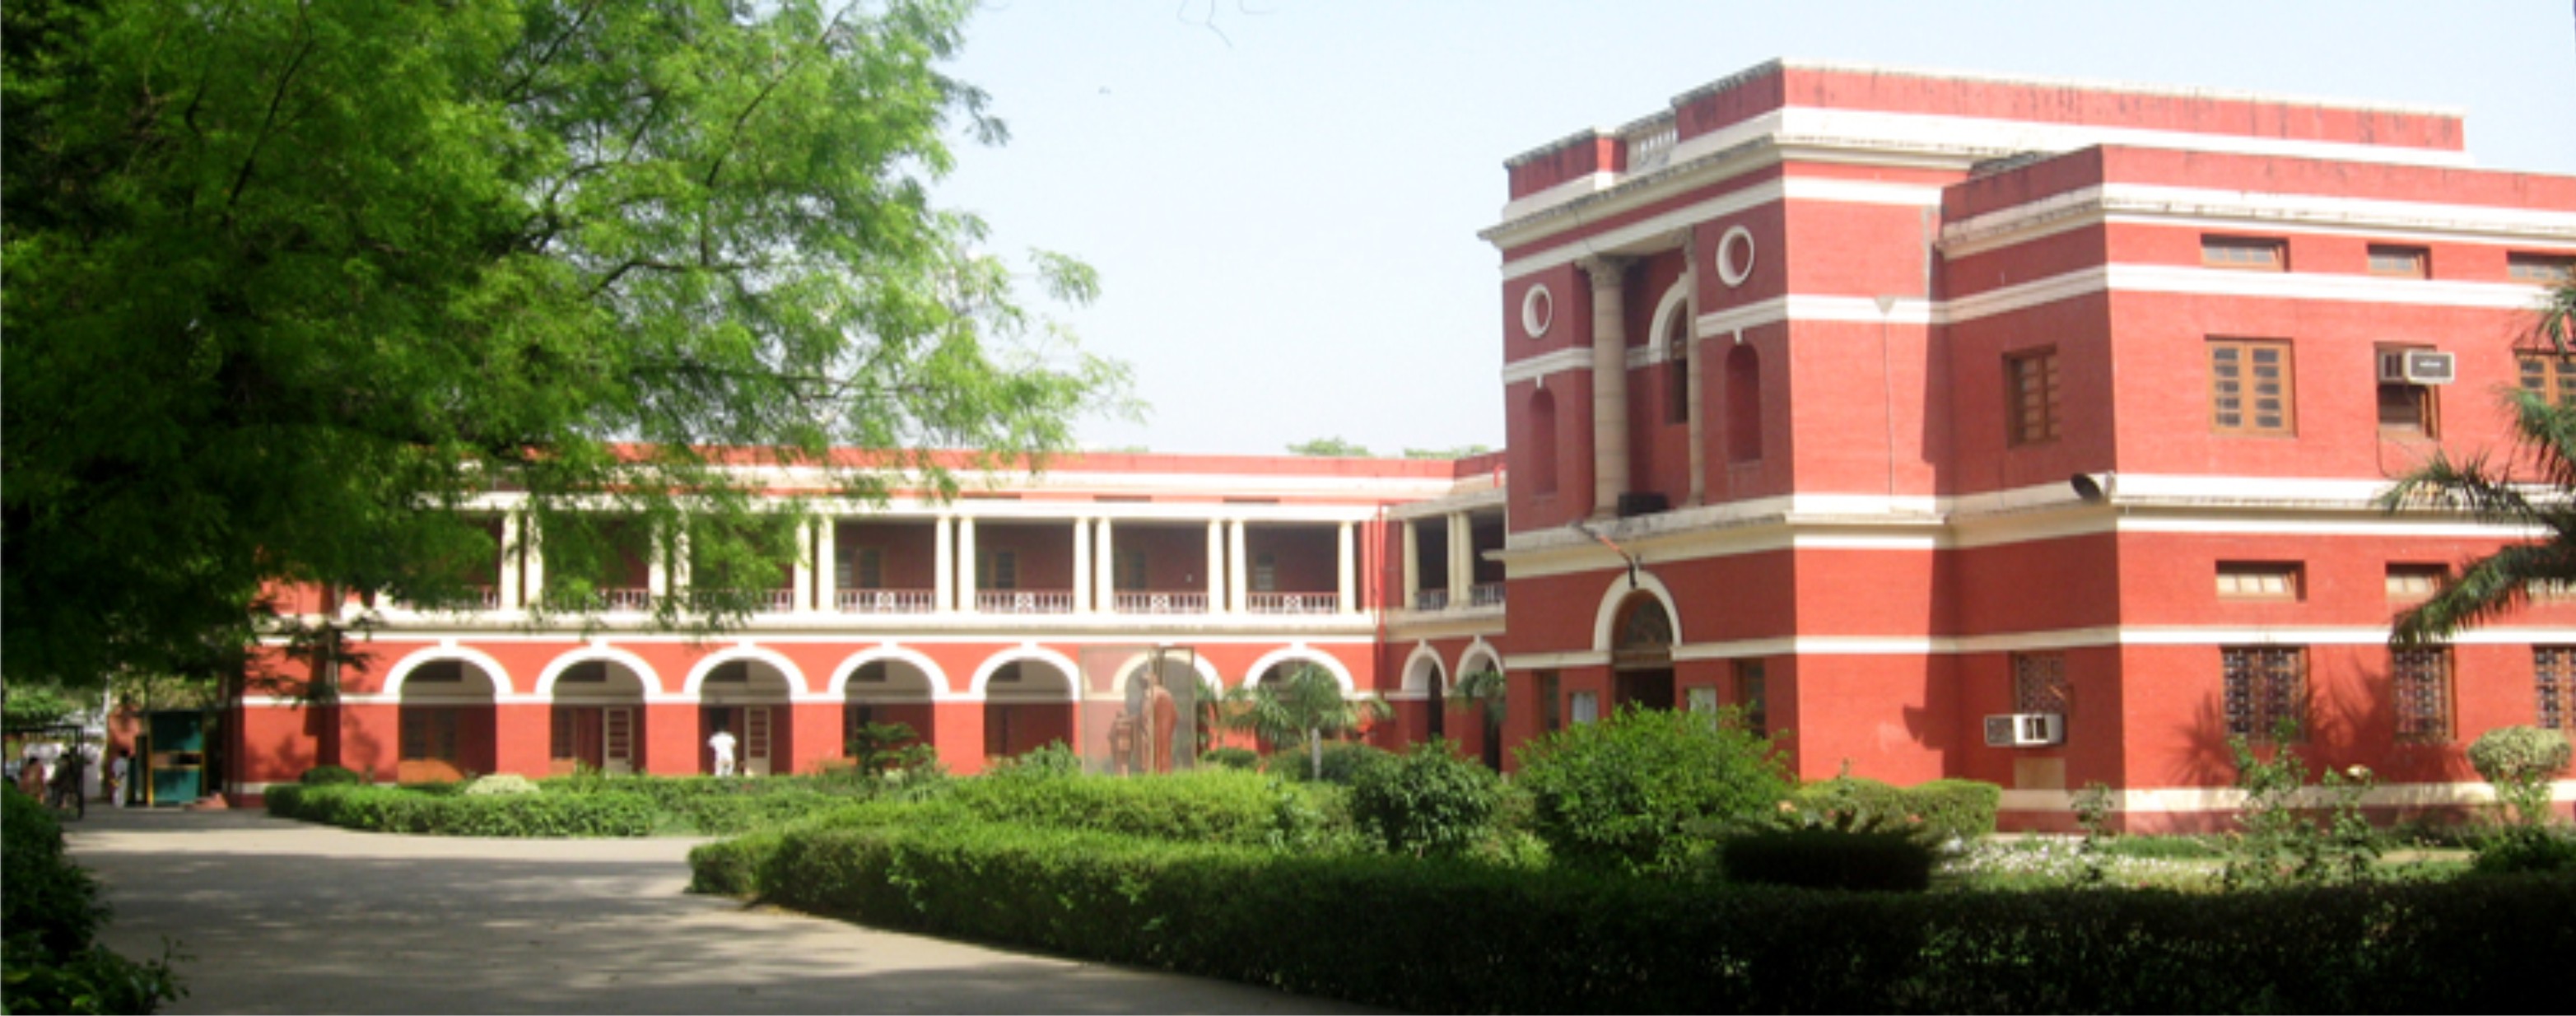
1941,809
403,810
1386,931
1204,805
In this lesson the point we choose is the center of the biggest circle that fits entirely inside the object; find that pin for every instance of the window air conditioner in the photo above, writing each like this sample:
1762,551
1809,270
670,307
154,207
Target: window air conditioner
2416,367
2022,730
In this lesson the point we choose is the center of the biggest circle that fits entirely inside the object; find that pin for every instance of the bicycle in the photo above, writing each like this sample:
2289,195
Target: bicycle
63,793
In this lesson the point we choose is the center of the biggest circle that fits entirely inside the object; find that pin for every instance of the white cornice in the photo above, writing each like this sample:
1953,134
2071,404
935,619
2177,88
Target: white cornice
2220,209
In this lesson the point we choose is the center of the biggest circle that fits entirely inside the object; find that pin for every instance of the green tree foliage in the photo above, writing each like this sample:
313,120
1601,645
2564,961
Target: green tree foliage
1302,706
1427,802
2520,762
2499,492
1465,451
289,285
1625,792
1329,448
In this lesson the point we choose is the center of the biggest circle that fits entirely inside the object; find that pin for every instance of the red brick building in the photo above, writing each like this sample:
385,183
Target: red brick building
1883,404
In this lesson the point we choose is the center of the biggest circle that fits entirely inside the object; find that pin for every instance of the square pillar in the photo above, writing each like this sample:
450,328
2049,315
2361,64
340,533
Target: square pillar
814,737
1609,382
1462,570
1412,565
1237,576
1344,569
966,563
523,737
943,567
1084,582
1105,570
1216,567
827,565
800,571
511,570
532,562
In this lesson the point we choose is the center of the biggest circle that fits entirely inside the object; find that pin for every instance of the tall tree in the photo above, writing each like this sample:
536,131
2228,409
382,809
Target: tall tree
2533,487
288,284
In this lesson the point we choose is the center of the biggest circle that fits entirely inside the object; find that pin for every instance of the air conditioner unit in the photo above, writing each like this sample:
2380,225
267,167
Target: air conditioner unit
2023,730
2416,367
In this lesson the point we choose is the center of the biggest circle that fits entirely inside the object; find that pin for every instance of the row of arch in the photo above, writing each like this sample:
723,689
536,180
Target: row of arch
906,674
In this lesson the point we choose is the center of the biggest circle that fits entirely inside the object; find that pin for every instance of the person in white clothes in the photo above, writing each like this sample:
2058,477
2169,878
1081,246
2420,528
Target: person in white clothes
722,745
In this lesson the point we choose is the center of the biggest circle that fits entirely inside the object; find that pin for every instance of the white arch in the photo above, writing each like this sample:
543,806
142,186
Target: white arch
1676,300
555,668
1300,651
692,688
492,669
1062,663
1608,613
839,688
1493,659
1423,658
1127,667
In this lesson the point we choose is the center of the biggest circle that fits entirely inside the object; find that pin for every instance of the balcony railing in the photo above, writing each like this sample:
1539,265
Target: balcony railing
1651,147
626,598
1024,601
1294,603
1160,603
474,598
782,600
1485,594
1430,599
883,601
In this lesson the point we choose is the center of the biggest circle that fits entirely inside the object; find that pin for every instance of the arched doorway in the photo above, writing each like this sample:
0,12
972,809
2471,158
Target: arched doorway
596,721
746,698
1641,654
1165,716
1028,704
886,691
446,722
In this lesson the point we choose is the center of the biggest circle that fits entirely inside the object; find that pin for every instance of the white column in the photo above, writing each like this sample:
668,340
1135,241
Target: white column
800,572
1462,571
532,560
1344,568
1609,383
680,561
1105,581
511,568
1083,579
1237,577
966,563
827,571
1216,567
1412,565
657,568
943,566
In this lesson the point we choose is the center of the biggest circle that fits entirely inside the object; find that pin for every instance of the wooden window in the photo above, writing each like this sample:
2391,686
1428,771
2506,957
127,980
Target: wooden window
2407,410
2400,262
2415,581
2553,672
2545,269
2263,686
859,568
2039,683
565,734
2260,580
1753,695
2249,387
2031,394
997,569
1551,718
429,732
2548,376
2251,253
1265,573
1584,706
2420,682
1128,570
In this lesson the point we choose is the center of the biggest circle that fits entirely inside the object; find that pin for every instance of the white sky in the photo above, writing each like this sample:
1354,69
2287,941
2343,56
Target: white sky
1284,217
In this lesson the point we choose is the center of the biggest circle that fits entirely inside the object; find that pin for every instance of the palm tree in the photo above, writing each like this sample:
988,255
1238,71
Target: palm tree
2539,495
1303,705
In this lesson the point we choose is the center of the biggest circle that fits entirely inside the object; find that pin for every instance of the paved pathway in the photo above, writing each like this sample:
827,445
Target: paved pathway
287,917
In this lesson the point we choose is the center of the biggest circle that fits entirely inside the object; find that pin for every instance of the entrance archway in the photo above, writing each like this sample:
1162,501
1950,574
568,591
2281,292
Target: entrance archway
596,719
887,690
446,723
746,698
1028,703
1641,654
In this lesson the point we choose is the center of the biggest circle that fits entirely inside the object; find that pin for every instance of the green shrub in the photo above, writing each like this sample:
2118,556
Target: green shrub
1387,932
499,784
1215,805
1048,760
329,776
2525,849
1944,810
1623,793
2520,762
50,913
1428,802
1232,758
405,810
1884,861
1342,762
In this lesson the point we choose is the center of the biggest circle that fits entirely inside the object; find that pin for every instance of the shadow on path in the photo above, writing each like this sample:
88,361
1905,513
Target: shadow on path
281,916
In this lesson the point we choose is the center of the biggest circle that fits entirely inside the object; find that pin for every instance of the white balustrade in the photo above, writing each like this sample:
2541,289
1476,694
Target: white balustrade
1161,603
1293,603
885,601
